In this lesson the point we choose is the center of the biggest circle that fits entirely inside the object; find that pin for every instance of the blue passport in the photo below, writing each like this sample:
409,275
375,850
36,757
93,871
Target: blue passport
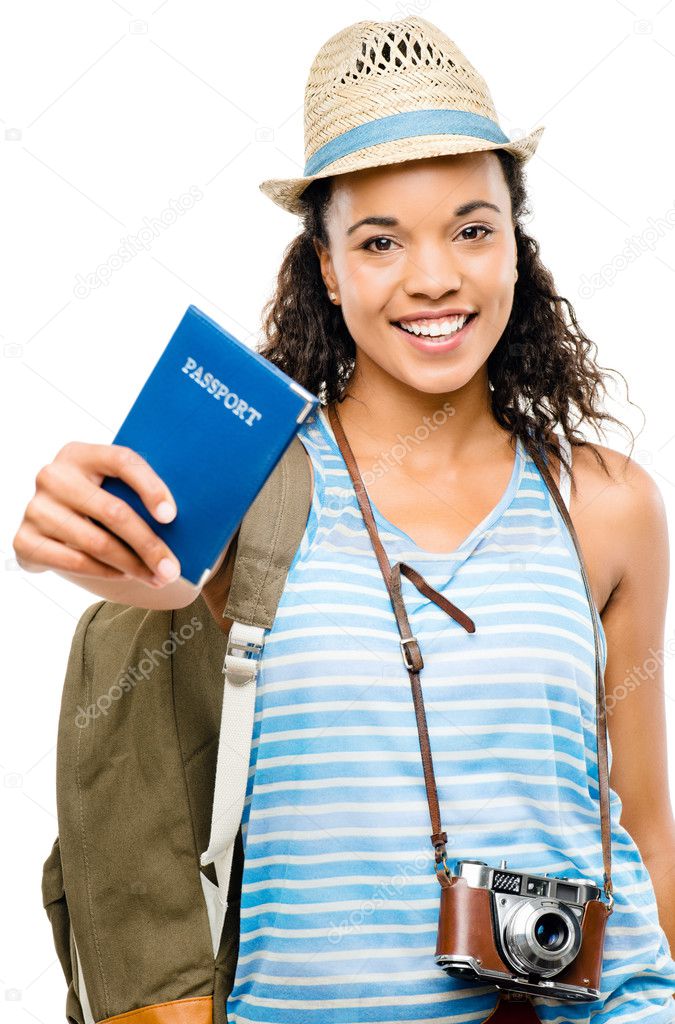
213,419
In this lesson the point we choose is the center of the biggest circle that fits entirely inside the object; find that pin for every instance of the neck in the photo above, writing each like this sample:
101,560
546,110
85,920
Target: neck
442,429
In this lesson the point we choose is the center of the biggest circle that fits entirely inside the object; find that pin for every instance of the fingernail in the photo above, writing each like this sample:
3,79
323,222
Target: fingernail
165,511
168,569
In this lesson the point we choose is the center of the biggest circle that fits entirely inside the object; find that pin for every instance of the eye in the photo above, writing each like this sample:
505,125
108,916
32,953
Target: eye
378,238
476,227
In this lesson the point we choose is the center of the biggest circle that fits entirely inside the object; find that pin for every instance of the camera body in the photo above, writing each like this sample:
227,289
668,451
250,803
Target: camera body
537,934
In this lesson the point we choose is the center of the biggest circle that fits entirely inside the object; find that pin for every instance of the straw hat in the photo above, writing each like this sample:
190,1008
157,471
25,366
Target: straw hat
381,92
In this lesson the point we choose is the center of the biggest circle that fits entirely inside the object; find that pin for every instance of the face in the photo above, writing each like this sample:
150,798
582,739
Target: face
420,241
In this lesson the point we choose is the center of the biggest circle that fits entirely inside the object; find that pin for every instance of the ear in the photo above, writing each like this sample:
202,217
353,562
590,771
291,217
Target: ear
326,264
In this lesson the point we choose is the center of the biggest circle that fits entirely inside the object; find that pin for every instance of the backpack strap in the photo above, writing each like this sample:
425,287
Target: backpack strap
269,536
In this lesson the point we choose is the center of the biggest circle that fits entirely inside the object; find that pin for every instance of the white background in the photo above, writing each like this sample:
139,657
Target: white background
108,113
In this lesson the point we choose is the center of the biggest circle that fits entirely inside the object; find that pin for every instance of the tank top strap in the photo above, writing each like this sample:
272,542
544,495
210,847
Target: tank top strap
565,480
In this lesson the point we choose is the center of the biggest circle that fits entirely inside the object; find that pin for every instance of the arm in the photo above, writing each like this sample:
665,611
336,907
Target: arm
633,621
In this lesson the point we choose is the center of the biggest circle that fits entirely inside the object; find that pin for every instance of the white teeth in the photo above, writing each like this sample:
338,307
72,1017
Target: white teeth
437,329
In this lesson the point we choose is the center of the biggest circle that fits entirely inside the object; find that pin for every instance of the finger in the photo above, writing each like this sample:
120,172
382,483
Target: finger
58,522
65,481
54,555
128,465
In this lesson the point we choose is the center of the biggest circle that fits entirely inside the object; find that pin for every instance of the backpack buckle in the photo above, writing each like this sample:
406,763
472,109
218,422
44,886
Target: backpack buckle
244,646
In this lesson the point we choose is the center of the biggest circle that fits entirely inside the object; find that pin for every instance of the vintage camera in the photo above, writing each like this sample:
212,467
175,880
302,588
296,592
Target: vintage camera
537,934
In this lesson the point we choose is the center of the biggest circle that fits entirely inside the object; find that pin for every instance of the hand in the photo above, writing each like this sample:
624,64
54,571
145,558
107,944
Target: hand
57,533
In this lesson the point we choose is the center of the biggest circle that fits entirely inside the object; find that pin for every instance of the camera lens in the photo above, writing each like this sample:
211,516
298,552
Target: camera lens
551,931
540,935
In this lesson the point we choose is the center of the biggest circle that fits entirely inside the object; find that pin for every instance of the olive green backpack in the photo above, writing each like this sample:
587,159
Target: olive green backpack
152,761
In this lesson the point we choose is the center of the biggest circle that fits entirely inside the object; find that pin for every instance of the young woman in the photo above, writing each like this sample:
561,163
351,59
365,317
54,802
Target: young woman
416,305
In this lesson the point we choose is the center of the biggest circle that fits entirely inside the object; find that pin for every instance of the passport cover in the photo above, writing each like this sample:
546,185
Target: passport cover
213,419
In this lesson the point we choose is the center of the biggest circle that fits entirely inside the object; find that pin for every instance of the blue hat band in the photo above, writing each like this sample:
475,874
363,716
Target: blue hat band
405,125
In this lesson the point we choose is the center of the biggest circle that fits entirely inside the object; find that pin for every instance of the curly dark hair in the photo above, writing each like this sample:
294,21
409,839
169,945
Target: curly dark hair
541,372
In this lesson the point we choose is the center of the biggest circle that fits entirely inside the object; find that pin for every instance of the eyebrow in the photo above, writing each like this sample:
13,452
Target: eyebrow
392,222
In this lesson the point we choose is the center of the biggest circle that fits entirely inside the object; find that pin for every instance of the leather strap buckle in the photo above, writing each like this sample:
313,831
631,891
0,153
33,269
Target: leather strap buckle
411,665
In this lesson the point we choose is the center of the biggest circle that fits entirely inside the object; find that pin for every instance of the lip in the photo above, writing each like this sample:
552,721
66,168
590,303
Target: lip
423,344
433,314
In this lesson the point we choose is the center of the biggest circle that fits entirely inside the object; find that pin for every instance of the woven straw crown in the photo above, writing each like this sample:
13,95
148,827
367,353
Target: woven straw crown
382,92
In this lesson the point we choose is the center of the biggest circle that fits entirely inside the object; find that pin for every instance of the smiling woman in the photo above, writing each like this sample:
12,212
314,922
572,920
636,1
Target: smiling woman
414,849
413,290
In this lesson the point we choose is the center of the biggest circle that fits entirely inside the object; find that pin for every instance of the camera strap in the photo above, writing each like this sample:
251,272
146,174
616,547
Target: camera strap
412,656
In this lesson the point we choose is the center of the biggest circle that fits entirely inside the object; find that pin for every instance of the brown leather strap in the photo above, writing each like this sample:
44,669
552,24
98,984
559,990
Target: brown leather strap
412,656
447,606
600,707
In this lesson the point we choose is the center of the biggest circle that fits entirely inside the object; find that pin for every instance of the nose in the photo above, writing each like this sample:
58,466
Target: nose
431,271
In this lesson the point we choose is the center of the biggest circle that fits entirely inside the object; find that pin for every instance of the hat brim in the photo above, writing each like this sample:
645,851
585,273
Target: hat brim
285,192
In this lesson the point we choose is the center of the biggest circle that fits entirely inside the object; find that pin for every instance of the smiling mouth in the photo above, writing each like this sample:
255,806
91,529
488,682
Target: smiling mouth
433,332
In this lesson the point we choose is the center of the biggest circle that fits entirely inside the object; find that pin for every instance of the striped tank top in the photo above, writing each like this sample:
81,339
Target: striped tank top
339,905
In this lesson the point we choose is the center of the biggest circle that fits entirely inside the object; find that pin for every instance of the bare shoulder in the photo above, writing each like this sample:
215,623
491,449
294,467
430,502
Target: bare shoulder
619,508
621,485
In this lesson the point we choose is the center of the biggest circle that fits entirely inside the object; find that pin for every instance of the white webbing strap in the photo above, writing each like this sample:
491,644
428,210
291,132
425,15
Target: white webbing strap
240,669
81,989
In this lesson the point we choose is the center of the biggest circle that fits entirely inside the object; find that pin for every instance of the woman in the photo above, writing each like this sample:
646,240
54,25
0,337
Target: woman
416,305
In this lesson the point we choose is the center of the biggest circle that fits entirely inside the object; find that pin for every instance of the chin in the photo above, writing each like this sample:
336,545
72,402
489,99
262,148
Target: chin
434,381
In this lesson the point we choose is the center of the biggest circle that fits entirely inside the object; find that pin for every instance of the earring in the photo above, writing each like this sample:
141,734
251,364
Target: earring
332,296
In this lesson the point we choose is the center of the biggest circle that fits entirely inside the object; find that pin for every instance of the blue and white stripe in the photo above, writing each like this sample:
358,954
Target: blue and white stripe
339,898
